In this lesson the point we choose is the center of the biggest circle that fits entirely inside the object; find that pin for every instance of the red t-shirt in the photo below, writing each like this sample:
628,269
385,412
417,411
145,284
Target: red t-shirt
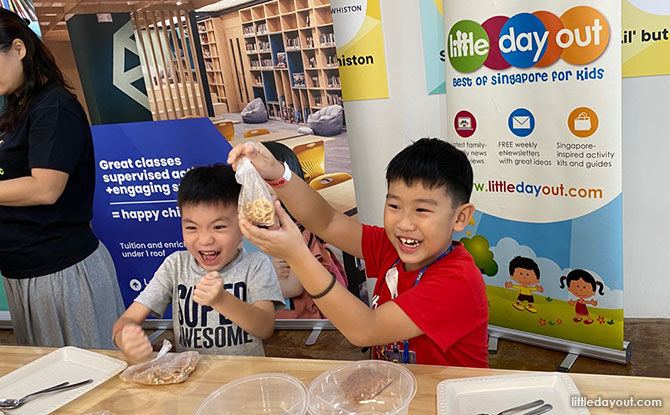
449,303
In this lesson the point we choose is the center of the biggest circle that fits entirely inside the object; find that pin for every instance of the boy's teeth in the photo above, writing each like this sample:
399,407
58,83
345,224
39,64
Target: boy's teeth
409,242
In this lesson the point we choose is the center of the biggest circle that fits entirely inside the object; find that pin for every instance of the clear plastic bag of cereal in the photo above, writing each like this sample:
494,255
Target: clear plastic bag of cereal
255,203
166,368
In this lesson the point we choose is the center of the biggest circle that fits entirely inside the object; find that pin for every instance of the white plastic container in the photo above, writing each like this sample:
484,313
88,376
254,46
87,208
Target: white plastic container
262,394
327,396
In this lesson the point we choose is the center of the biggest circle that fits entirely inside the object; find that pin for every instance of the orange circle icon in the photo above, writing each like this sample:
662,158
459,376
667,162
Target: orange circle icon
583,122
553,25
584,36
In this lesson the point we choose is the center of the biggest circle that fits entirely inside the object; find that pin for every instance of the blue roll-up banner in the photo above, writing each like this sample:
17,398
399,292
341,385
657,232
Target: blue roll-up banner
138,170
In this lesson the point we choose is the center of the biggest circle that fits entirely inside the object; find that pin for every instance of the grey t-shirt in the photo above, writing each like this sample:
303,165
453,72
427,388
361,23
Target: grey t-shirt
249,277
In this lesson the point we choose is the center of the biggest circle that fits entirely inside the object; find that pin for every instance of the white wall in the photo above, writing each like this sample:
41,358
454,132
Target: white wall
378,129
646,196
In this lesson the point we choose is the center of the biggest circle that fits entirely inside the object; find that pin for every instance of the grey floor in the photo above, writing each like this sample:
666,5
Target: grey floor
337,150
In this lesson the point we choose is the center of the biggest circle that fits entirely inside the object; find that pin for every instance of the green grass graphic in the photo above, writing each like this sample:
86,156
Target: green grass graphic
557,315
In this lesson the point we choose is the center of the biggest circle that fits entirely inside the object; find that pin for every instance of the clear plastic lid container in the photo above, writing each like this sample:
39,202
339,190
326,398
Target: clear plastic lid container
369,387
265,393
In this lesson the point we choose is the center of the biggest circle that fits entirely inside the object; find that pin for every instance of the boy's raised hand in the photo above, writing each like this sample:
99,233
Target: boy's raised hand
209,290
264,162
134,343
283,243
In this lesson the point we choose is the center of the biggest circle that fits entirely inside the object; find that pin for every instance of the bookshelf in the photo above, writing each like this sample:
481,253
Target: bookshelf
290,47
212,53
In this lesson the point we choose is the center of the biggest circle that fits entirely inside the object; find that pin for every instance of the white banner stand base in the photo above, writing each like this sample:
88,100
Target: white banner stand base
567,363
574,349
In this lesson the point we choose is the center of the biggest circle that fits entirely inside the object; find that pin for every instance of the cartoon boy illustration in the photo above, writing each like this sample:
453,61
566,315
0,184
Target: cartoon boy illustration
582,285
525,272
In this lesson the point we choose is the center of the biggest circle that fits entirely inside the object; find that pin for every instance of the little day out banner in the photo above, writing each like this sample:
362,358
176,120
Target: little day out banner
534,92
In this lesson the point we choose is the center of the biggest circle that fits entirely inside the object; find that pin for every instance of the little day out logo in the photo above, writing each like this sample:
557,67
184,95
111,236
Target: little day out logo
526,40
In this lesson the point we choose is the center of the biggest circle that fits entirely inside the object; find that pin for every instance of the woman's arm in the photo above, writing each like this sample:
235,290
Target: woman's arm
42,187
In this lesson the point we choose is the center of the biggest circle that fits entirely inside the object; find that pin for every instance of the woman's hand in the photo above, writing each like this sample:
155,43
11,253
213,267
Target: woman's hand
285,243
264,162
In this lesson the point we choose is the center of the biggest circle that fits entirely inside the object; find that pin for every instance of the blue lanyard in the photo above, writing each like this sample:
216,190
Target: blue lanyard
405,351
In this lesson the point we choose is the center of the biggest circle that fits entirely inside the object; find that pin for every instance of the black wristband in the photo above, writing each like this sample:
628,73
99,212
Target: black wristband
326,291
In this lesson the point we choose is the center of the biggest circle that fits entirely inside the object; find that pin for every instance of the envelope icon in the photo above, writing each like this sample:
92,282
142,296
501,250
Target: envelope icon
521,122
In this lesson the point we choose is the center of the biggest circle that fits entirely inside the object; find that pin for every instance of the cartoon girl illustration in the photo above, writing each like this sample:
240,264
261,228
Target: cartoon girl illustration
582,285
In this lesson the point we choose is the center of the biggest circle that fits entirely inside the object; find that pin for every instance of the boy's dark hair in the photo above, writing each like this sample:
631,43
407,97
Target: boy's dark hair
209,185
525,263
434,163
284,154
39,65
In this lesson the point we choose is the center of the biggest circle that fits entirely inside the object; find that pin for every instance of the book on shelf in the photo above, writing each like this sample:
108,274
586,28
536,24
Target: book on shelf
284,113
309,42
333,99
299,79
327,39
334,81
261,28
293,43
281,60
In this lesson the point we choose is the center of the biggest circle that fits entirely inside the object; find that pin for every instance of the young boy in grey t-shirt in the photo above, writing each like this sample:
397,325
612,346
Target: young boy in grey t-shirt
223,298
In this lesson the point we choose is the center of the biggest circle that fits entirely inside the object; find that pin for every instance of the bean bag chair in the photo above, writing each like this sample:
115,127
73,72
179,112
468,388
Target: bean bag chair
254,112
327,121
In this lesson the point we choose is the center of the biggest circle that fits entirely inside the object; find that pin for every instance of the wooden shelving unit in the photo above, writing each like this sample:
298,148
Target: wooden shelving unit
212,53
290,47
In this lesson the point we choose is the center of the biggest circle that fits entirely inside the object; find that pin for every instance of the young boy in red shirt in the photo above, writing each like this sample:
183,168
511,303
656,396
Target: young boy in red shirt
429,303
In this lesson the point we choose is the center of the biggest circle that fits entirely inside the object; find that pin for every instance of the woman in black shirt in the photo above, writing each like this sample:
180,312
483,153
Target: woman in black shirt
59,279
